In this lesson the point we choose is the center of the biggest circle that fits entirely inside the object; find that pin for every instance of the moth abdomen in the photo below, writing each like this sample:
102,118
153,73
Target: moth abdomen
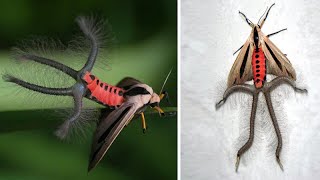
103,93
258,67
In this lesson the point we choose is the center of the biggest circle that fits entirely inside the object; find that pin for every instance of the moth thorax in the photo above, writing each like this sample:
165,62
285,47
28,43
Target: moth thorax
155,98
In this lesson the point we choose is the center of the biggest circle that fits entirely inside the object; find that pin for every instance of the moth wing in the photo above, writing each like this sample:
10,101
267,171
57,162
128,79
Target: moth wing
241,70
107,131
127,82
277,63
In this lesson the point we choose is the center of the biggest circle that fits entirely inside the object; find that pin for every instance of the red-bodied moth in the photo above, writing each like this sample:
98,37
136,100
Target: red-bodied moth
128,98
258,58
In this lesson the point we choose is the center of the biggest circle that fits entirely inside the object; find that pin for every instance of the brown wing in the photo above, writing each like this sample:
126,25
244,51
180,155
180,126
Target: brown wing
127,82
241,70
107,131
277,63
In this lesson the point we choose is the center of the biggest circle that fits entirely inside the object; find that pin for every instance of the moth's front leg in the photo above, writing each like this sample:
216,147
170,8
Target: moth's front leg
246,88
269,35
144,124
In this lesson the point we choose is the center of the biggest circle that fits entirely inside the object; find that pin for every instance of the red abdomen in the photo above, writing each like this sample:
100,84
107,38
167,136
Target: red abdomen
103,92
259,69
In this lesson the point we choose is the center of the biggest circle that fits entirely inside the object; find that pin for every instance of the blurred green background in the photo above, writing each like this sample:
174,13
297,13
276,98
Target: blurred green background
146,49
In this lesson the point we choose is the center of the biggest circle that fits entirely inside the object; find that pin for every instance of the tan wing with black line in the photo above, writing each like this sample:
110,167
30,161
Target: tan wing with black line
241,70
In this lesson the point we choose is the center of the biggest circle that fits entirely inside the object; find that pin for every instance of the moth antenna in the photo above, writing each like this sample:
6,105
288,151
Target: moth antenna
263,15
247,20
262,22
165,81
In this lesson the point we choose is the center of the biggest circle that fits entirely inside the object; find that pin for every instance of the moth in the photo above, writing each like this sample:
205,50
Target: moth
259,57
128,98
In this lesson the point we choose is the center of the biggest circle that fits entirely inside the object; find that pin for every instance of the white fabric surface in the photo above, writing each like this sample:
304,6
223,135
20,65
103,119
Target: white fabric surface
211,31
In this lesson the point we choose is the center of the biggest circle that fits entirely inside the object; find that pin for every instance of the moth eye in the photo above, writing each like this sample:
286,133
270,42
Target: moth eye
153,104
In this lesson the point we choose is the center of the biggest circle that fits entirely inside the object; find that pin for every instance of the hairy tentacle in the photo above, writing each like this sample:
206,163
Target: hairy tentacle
242,88
275,125
248,144
78,93
90,31
71,72
283,80
37,88
266,90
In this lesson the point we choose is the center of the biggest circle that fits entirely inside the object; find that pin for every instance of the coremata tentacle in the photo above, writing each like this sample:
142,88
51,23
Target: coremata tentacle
266,89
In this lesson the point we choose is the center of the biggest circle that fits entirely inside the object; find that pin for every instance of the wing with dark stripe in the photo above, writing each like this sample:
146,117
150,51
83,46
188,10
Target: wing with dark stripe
107,131
277,63
127,82
241,70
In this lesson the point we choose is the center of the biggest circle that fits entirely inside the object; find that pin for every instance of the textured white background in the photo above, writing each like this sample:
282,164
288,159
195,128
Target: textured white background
211,31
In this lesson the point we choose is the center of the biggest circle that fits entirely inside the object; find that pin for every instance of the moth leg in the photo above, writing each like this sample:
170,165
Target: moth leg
248,144
78,94
71,72
282,79
237,50
242,88
37,88
264,19
144,125
276,32
165,95
275,125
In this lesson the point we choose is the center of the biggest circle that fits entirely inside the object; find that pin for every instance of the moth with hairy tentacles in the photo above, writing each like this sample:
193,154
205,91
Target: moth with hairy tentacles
128,98
258,58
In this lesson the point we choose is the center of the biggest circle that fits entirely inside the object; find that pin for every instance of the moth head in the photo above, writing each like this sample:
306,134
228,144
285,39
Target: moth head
154,103
143,95
155,98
